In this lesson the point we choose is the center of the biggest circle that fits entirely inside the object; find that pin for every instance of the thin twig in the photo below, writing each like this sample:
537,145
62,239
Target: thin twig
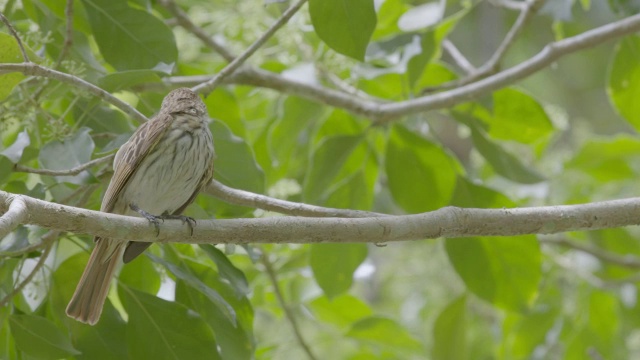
68,37
381,112
493,64
15,35
38,70
621,260
291,317
457,57
15,215
253,200
184,21
69,172
210,85
48,239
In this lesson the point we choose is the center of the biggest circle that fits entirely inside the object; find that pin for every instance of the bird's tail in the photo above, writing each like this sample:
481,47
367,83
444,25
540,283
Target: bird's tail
86,303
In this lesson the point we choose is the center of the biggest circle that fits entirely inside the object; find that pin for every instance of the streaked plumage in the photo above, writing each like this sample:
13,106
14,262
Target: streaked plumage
160,169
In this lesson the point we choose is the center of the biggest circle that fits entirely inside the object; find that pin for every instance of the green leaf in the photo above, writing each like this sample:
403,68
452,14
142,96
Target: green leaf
470,195
342,310
504,271
608,159
67,154
10,53
161,329
235,165
421,175
449,331
345,25
126,79
386,332
40,338
333,265
519,117
527,331
105,340
327,161
624,80
196,283
140,274
14,152
503,162
227,270
131,39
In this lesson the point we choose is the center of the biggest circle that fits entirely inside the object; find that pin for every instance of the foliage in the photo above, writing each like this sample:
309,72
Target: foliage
555,138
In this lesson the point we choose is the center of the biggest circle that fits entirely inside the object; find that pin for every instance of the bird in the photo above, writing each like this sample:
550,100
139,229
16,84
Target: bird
157,173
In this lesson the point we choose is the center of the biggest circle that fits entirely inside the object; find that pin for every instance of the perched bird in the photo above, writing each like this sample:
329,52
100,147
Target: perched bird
157,173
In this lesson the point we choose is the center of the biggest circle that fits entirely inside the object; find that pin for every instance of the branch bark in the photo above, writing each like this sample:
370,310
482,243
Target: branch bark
448,222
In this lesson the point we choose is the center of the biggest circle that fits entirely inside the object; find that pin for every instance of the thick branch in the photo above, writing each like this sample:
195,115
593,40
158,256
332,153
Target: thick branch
15,215
37,70
449,222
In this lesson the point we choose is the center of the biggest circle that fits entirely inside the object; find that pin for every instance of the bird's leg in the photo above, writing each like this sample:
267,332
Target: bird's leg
185,219
152,218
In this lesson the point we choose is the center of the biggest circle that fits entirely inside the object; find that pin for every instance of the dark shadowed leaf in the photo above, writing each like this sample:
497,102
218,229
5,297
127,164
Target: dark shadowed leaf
40,338
333,265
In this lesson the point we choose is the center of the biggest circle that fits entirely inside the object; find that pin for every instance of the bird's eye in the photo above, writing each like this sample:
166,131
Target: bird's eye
192,110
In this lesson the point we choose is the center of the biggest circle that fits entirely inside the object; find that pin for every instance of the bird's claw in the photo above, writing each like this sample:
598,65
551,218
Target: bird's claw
191,222
152,218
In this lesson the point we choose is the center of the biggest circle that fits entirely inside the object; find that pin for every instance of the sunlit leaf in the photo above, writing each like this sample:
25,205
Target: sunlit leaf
333,265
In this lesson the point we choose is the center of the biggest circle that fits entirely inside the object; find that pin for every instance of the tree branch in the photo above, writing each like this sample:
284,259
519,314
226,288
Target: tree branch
69,172
48,239
249,199
211,84
382,112
37,70
184,21
15,35
629,261
291,317
448,222
15,215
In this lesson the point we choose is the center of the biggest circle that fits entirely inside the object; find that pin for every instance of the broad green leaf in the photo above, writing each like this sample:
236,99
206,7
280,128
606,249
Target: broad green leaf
503,162
287,138
105,340
519,117
608,159
435,74
385,332
333,265
14,152
140,274
604,319
524,332
224,105
131,39
624,80
342,310
355,192
10,53
227,270
197,284
40,338
421,175
234,164
345,25
470,195
67,154
327,161
450,332
162,329
234,339
125,79
504,271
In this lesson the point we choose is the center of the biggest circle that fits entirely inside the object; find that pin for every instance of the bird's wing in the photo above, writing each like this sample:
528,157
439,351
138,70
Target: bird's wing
131,154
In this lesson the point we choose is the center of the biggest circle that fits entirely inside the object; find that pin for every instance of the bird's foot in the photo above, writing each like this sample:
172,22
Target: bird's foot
185,219
152,218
